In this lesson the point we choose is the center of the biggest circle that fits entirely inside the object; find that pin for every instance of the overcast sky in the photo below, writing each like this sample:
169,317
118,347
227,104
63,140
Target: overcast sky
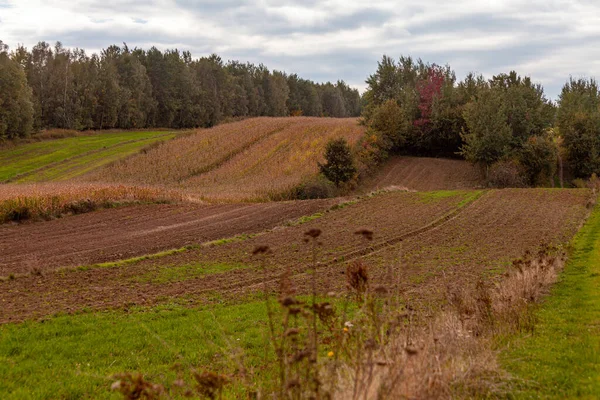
332,39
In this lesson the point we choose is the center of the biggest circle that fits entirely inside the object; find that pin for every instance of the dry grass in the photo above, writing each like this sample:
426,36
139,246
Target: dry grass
454,354
254,159
44,201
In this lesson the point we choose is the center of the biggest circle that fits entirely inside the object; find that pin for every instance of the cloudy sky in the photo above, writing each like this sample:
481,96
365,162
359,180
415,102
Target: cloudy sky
332,39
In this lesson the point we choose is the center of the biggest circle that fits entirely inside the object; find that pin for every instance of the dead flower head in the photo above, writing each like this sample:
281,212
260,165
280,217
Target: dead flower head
260,250
366,233
313,233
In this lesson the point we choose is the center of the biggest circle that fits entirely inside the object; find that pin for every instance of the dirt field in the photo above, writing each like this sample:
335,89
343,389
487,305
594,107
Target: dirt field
422,173
115,234
427,242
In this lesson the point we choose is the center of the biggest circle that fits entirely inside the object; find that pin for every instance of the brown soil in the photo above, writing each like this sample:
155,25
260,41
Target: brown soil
115,234
425,245
422,173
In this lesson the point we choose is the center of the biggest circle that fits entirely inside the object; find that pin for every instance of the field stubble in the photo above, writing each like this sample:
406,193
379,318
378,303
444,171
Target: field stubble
250,160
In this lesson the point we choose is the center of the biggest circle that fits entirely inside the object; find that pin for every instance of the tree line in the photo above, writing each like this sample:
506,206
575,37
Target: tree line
56,87
505,124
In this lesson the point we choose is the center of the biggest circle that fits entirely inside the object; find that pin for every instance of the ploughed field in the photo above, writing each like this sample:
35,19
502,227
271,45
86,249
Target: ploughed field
115,234
426,241
424,174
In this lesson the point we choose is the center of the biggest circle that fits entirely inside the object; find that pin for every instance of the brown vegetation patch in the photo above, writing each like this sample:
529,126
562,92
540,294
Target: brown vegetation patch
424,174
253,159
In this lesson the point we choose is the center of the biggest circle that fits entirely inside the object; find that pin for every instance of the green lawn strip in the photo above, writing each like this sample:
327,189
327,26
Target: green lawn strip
562,358
74,356
133,260
31,156
178,273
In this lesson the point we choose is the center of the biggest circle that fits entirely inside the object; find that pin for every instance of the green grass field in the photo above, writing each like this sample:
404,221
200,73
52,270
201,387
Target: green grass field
61,159
561,359
76,356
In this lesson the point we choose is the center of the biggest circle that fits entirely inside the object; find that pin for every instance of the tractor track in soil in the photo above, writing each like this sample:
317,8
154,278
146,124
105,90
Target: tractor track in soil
493,227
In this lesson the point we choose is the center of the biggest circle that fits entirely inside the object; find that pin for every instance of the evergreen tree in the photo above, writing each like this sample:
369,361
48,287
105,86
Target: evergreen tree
339,166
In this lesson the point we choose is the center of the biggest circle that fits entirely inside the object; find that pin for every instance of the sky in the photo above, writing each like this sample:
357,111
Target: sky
321,40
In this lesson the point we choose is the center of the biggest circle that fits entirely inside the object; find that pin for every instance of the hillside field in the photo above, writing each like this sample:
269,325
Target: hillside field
200,302
62,159
254,159
173,283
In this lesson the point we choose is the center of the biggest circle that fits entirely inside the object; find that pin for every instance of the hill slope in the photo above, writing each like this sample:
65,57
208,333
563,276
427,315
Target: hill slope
60,159
247,160
423,174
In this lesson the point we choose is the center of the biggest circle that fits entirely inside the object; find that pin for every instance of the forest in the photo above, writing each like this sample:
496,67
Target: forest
55,87
506,124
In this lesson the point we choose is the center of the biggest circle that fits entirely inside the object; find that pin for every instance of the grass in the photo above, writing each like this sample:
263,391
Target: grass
178,273
74,356
46,201
562,358
68,157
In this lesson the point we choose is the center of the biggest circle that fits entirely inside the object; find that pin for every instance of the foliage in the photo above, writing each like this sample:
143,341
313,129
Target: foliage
488,135
506,173
316,188
420,109
339,165
539,159
135,88
579,125
16,108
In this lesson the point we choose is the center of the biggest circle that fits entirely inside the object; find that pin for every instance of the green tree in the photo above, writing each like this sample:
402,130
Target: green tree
16,108
488,136
339,166
539,158
579,125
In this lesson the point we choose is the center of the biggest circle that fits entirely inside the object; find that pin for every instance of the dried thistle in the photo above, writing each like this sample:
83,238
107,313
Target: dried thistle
366,233
358,278
260,250
313,233
210,384
134,386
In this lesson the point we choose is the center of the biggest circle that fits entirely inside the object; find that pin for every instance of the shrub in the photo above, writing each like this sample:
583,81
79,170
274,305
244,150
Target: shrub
538,158
339,167
506,173
317,188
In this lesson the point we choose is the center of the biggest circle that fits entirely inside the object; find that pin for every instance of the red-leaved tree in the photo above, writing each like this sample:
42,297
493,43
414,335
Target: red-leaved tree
428,90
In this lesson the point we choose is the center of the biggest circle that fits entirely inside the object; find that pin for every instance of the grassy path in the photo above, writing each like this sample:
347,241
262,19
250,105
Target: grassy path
562,358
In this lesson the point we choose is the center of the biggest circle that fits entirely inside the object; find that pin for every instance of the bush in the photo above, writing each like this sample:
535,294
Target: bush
538,158
506,173
317,188
339,167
